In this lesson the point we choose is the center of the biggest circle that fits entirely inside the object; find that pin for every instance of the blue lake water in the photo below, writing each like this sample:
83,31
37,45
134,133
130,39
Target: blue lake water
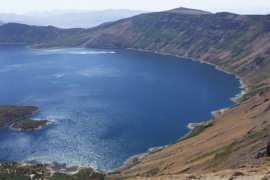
106,105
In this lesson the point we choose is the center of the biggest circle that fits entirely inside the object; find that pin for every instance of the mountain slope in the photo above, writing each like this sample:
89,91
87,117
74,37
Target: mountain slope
33,35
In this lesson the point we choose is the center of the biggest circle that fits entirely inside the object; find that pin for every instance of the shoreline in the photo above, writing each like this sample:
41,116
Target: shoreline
133,160
219,112
242,86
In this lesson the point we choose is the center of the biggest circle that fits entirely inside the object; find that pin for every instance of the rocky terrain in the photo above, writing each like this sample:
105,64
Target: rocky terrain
235,146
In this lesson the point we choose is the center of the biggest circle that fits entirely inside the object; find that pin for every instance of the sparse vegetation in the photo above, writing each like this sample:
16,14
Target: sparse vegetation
153,172
135,160
85,174
225,153
254,93
258,86
17,171
195,132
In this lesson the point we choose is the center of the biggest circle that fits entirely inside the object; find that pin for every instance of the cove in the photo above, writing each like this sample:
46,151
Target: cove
106,105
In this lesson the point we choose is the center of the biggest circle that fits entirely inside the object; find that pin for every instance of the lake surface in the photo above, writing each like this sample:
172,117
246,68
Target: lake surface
106,105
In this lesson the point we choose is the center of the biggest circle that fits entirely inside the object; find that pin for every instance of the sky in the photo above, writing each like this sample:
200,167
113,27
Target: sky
235,6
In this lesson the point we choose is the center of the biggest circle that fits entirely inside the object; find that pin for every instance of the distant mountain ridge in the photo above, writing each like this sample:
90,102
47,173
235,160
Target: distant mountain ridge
70,18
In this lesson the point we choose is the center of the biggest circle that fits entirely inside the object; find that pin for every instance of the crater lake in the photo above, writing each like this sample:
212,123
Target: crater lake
106,104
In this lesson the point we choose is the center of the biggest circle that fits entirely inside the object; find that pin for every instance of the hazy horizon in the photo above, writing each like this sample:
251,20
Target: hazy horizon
60,11
69,18
32,6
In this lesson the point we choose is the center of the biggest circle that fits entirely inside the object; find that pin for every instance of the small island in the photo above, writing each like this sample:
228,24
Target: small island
29,124
18,118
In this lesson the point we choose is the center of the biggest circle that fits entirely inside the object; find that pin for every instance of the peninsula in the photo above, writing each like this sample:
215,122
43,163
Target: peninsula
29,124
16,116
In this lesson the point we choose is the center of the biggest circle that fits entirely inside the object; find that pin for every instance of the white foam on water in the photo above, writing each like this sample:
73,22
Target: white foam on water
4,70
59,75
78,51
99,71
91,52
8,68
